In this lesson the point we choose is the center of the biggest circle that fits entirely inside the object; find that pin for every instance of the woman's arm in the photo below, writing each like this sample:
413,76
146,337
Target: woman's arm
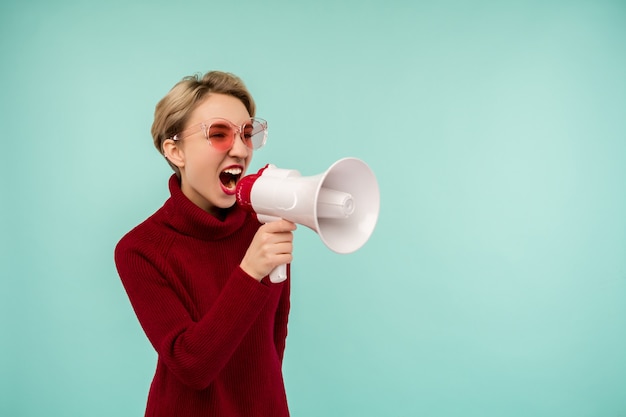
195,351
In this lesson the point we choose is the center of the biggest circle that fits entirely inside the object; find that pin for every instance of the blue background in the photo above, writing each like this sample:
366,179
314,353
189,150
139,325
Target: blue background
495,281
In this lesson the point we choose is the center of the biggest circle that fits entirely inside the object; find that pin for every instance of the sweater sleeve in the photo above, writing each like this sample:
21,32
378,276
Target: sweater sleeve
195,351
282,316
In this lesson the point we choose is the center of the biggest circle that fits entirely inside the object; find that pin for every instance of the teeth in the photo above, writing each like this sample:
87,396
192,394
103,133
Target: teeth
232,171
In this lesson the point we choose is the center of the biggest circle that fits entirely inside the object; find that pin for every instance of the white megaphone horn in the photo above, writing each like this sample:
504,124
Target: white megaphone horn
341,205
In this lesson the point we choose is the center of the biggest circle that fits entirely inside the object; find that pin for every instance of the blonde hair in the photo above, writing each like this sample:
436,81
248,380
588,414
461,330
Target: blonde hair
173,111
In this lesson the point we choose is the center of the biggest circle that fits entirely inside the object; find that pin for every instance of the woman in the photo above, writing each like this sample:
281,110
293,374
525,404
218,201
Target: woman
196,270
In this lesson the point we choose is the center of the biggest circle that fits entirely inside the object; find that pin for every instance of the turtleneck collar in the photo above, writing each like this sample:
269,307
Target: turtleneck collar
189,219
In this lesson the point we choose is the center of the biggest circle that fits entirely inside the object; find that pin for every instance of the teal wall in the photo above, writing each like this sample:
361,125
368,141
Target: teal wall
495,282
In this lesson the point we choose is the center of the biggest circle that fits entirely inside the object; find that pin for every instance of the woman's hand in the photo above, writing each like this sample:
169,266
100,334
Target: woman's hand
271,246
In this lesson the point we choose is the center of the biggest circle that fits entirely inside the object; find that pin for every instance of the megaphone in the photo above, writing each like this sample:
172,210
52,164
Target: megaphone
341,205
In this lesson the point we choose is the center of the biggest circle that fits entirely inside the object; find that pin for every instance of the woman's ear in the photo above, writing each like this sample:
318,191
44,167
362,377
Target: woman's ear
173,152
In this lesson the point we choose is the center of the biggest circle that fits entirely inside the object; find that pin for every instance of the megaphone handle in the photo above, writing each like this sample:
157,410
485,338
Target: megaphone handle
278,274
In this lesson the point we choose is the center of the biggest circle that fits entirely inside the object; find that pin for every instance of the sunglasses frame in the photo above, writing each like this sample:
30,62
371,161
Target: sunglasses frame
204,127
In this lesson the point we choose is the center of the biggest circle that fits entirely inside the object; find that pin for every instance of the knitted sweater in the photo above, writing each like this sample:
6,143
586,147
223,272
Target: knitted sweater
219,334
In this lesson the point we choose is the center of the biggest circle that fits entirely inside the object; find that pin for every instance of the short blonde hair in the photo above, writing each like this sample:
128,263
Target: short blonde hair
173,111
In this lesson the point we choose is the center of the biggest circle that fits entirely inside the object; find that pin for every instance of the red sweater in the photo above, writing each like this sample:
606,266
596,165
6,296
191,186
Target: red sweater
219,334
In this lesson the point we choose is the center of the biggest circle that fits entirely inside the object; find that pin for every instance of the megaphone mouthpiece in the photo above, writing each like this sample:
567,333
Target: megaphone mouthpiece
244,189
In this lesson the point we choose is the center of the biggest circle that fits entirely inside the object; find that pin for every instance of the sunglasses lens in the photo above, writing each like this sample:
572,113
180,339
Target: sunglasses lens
255,133
221,135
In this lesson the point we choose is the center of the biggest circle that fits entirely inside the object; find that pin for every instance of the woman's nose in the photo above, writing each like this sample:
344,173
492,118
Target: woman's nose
239,148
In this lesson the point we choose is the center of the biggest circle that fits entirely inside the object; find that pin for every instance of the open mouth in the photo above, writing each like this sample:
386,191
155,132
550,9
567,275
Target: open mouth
229,178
